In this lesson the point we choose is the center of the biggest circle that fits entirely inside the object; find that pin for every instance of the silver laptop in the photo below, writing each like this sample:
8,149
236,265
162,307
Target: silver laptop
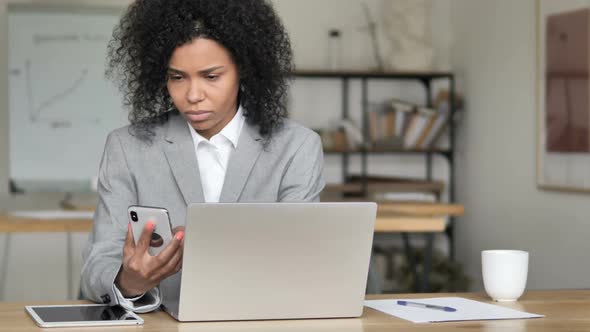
249,261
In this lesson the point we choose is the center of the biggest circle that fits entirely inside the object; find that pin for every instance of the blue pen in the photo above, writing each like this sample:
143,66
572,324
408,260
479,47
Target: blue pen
426,306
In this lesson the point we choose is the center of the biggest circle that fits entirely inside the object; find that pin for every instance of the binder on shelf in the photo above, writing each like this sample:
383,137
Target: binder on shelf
390,123
426,132
420,125
340,140
333,140
346,137
380,130
443,118
403,111
354,135
440,123
374,132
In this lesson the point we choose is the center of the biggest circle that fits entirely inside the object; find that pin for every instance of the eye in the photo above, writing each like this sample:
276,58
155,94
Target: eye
212,77
175,77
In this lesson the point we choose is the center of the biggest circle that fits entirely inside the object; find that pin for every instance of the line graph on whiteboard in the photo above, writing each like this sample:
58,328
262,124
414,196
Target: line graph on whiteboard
45,109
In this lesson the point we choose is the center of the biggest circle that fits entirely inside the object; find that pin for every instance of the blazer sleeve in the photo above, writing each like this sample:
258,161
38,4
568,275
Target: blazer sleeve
303,179
104,251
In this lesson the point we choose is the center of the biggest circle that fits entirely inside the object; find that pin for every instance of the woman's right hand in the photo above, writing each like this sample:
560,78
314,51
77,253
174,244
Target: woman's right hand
141,271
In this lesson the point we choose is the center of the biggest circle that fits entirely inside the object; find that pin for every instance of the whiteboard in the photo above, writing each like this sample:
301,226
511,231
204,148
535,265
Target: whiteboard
61,106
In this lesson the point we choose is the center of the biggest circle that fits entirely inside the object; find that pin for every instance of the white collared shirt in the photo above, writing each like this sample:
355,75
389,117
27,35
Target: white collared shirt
213,155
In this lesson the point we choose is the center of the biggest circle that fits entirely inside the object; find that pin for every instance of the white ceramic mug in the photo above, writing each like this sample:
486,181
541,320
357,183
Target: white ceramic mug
504,273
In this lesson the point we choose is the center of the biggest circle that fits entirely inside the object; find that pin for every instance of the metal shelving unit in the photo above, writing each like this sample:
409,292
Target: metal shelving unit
426,79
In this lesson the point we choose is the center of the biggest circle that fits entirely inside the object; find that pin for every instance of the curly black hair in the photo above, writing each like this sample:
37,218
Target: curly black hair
150,30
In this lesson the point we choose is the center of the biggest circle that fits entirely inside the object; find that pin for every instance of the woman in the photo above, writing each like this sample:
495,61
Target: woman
206,83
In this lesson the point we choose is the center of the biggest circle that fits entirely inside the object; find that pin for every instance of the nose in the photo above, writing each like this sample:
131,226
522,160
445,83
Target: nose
195,93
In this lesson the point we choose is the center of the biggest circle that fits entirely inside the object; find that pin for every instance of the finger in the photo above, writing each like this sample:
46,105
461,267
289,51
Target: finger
170,267
129,242
178,266
175,264
146,236
178,229
165,255
175,259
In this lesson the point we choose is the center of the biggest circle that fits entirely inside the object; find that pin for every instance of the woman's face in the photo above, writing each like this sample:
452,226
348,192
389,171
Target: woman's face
203,83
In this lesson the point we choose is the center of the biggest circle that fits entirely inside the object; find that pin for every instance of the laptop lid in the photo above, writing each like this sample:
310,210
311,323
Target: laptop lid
245,261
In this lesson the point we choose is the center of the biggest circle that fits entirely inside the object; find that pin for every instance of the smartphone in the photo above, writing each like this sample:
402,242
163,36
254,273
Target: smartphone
162,235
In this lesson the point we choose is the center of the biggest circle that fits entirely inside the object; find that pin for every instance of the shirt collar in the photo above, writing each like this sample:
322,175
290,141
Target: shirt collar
231,131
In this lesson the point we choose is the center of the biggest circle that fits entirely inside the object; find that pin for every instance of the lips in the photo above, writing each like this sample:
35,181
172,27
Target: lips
197,116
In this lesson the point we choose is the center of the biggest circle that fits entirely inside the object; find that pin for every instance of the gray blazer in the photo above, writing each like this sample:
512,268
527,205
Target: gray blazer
165,173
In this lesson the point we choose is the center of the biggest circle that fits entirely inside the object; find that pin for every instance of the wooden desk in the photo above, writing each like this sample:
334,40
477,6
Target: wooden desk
565,310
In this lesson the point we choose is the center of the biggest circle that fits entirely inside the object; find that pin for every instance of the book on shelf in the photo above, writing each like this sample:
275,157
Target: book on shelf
354,136
397,125
443,118
410,126
402,111
383,127
437,127
419,125
345,137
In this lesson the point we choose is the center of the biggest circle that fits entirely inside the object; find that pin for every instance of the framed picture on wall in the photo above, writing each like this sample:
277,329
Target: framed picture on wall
563,95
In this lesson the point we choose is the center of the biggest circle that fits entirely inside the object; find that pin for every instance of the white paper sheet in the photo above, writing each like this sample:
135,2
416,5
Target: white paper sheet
53,214
466,310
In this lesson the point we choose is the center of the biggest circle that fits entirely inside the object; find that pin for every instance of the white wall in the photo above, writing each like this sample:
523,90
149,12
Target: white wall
309,21
494,55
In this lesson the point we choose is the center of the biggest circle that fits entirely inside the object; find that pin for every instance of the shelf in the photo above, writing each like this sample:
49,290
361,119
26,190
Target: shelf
363,188
404,224
373,187
372,74
387,150
421,209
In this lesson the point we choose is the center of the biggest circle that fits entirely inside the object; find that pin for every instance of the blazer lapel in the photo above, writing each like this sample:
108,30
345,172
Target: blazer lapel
179,149
240,164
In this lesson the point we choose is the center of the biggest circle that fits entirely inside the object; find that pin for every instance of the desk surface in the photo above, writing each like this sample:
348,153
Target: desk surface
390,218
564,310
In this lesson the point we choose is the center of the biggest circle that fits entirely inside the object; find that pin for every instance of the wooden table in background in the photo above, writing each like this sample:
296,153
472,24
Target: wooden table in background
414,217
391,217
11,224
564,310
